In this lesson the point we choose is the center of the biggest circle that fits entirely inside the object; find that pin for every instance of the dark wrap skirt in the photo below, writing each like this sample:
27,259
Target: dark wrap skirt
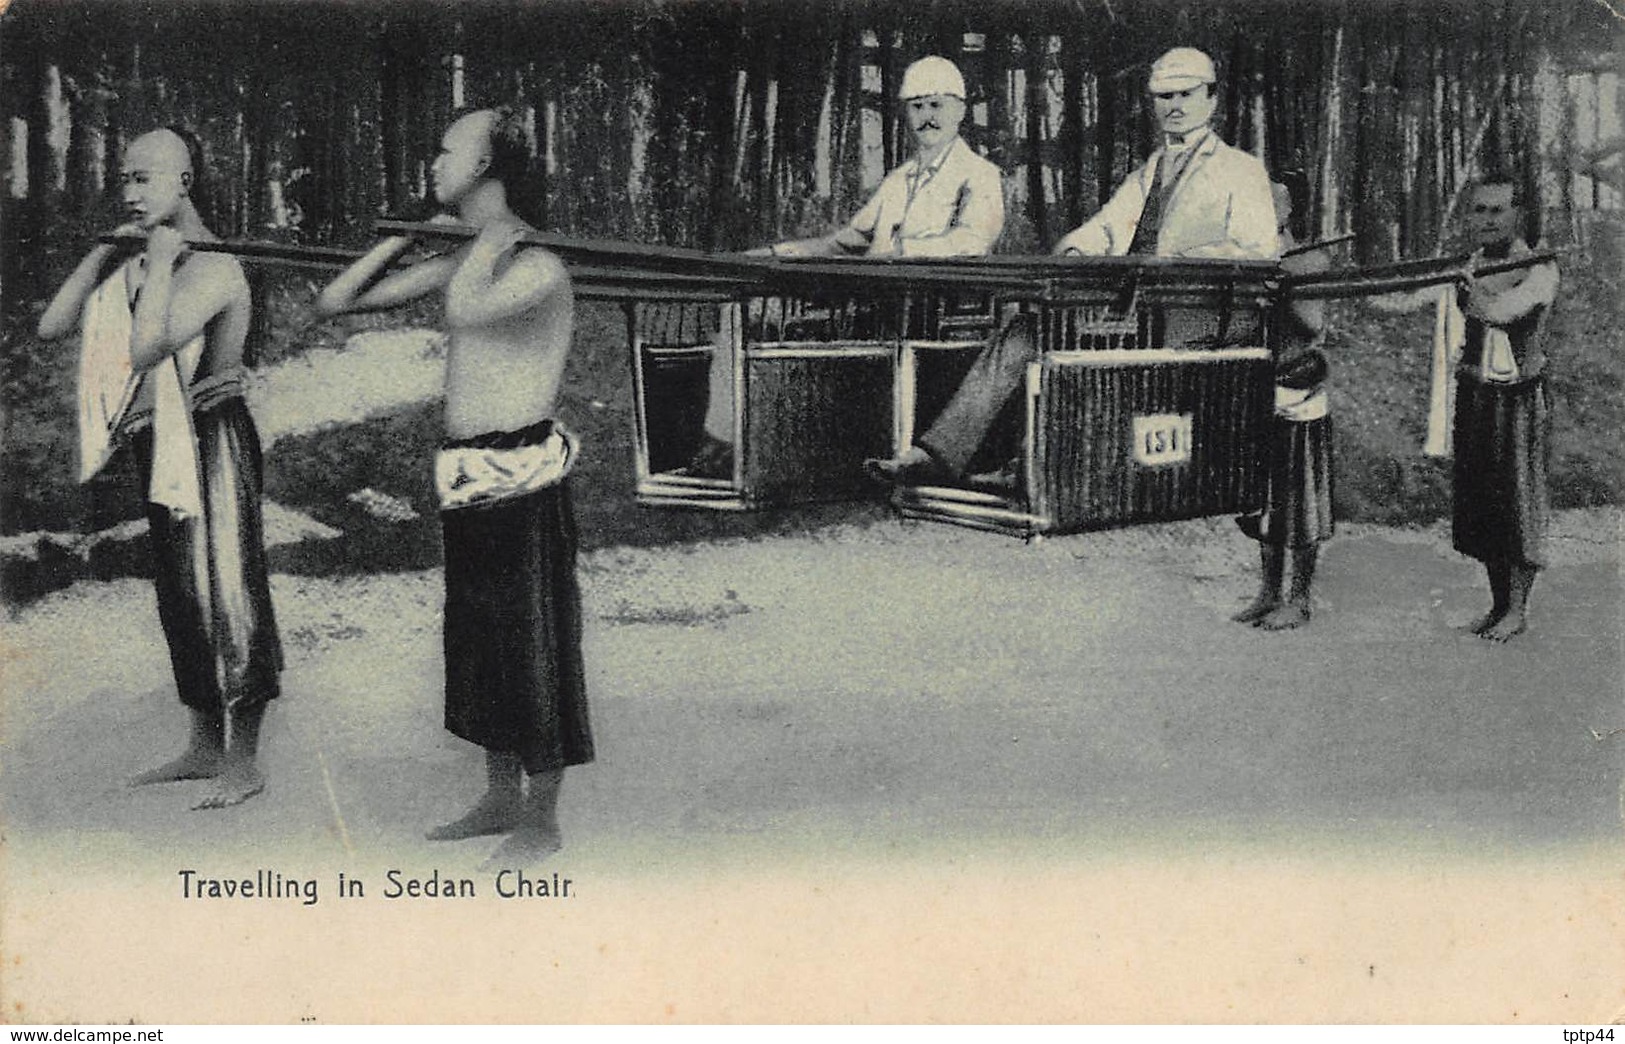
1503,451
1298,497
514,675
214,590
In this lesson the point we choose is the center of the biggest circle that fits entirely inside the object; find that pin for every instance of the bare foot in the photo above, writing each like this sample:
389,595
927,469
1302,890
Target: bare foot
491,814
193,764
1260,608
1504,629
1485,622
1285,618
526,847
232,787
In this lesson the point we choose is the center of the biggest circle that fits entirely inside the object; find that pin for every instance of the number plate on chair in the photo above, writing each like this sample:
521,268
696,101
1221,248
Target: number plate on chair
1162,438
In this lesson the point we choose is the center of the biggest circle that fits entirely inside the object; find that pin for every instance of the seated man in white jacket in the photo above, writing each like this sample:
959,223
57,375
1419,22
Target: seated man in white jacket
1195,197
947,201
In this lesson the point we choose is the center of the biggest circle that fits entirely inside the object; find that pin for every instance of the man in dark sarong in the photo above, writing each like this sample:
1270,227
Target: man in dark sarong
1500,432
172,326
1502,426
514,678
1297,516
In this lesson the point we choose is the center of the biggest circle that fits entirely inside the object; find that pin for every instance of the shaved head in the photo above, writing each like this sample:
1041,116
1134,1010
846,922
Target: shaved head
162,176
484,144
506,142
478,121
161,150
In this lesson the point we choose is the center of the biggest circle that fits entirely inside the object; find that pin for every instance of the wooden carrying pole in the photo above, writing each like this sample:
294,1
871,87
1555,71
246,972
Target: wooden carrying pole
1403,275
608,269
612,262
1320,244
254,250
606,253
615,281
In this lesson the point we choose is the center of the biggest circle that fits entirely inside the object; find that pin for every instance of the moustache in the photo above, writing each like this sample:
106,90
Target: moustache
929,125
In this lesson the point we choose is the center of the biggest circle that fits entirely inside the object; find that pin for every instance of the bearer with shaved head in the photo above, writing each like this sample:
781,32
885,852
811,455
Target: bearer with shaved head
1503,424
163,336
514,679
1501,427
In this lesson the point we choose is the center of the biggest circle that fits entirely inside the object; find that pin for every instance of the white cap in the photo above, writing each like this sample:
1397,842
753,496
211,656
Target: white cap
1179,70
932,75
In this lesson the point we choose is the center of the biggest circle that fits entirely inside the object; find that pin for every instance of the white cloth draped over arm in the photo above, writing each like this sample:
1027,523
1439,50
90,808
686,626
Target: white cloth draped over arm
107,383
175,483
1449,337
104,365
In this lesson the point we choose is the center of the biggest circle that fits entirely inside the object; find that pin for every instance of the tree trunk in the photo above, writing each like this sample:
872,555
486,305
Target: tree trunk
1596,140
397,48
846,120
758,145
1368,246
889,74
1464,170
1406,130
1073,84
1566,138
88,118
21,281
996,63
1105,120
1234,117
1037,104
1532,167
257,148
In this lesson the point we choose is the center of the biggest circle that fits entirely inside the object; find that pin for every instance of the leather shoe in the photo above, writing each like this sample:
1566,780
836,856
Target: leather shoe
914,468
1006,480
713,460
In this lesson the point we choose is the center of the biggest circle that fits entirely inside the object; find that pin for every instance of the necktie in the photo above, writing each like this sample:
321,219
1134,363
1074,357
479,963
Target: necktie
1145,233
1170,168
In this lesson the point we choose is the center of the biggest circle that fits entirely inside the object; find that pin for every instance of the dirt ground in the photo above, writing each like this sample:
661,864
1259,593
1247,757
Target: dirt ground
881,772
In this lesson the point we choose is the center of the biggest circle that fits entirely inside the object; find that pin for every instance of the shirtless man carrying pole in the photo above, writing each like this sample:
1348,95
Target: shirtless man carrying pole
162,370
514,678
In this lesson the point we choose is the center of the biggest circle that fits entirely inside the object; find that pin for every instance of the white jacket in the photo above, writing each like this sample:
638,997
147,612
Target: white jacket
954,208
1220,208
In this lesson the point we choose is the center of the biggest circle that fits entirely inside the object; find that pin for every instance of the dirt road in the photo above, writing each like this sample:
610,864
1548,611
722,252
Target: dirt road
880,773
